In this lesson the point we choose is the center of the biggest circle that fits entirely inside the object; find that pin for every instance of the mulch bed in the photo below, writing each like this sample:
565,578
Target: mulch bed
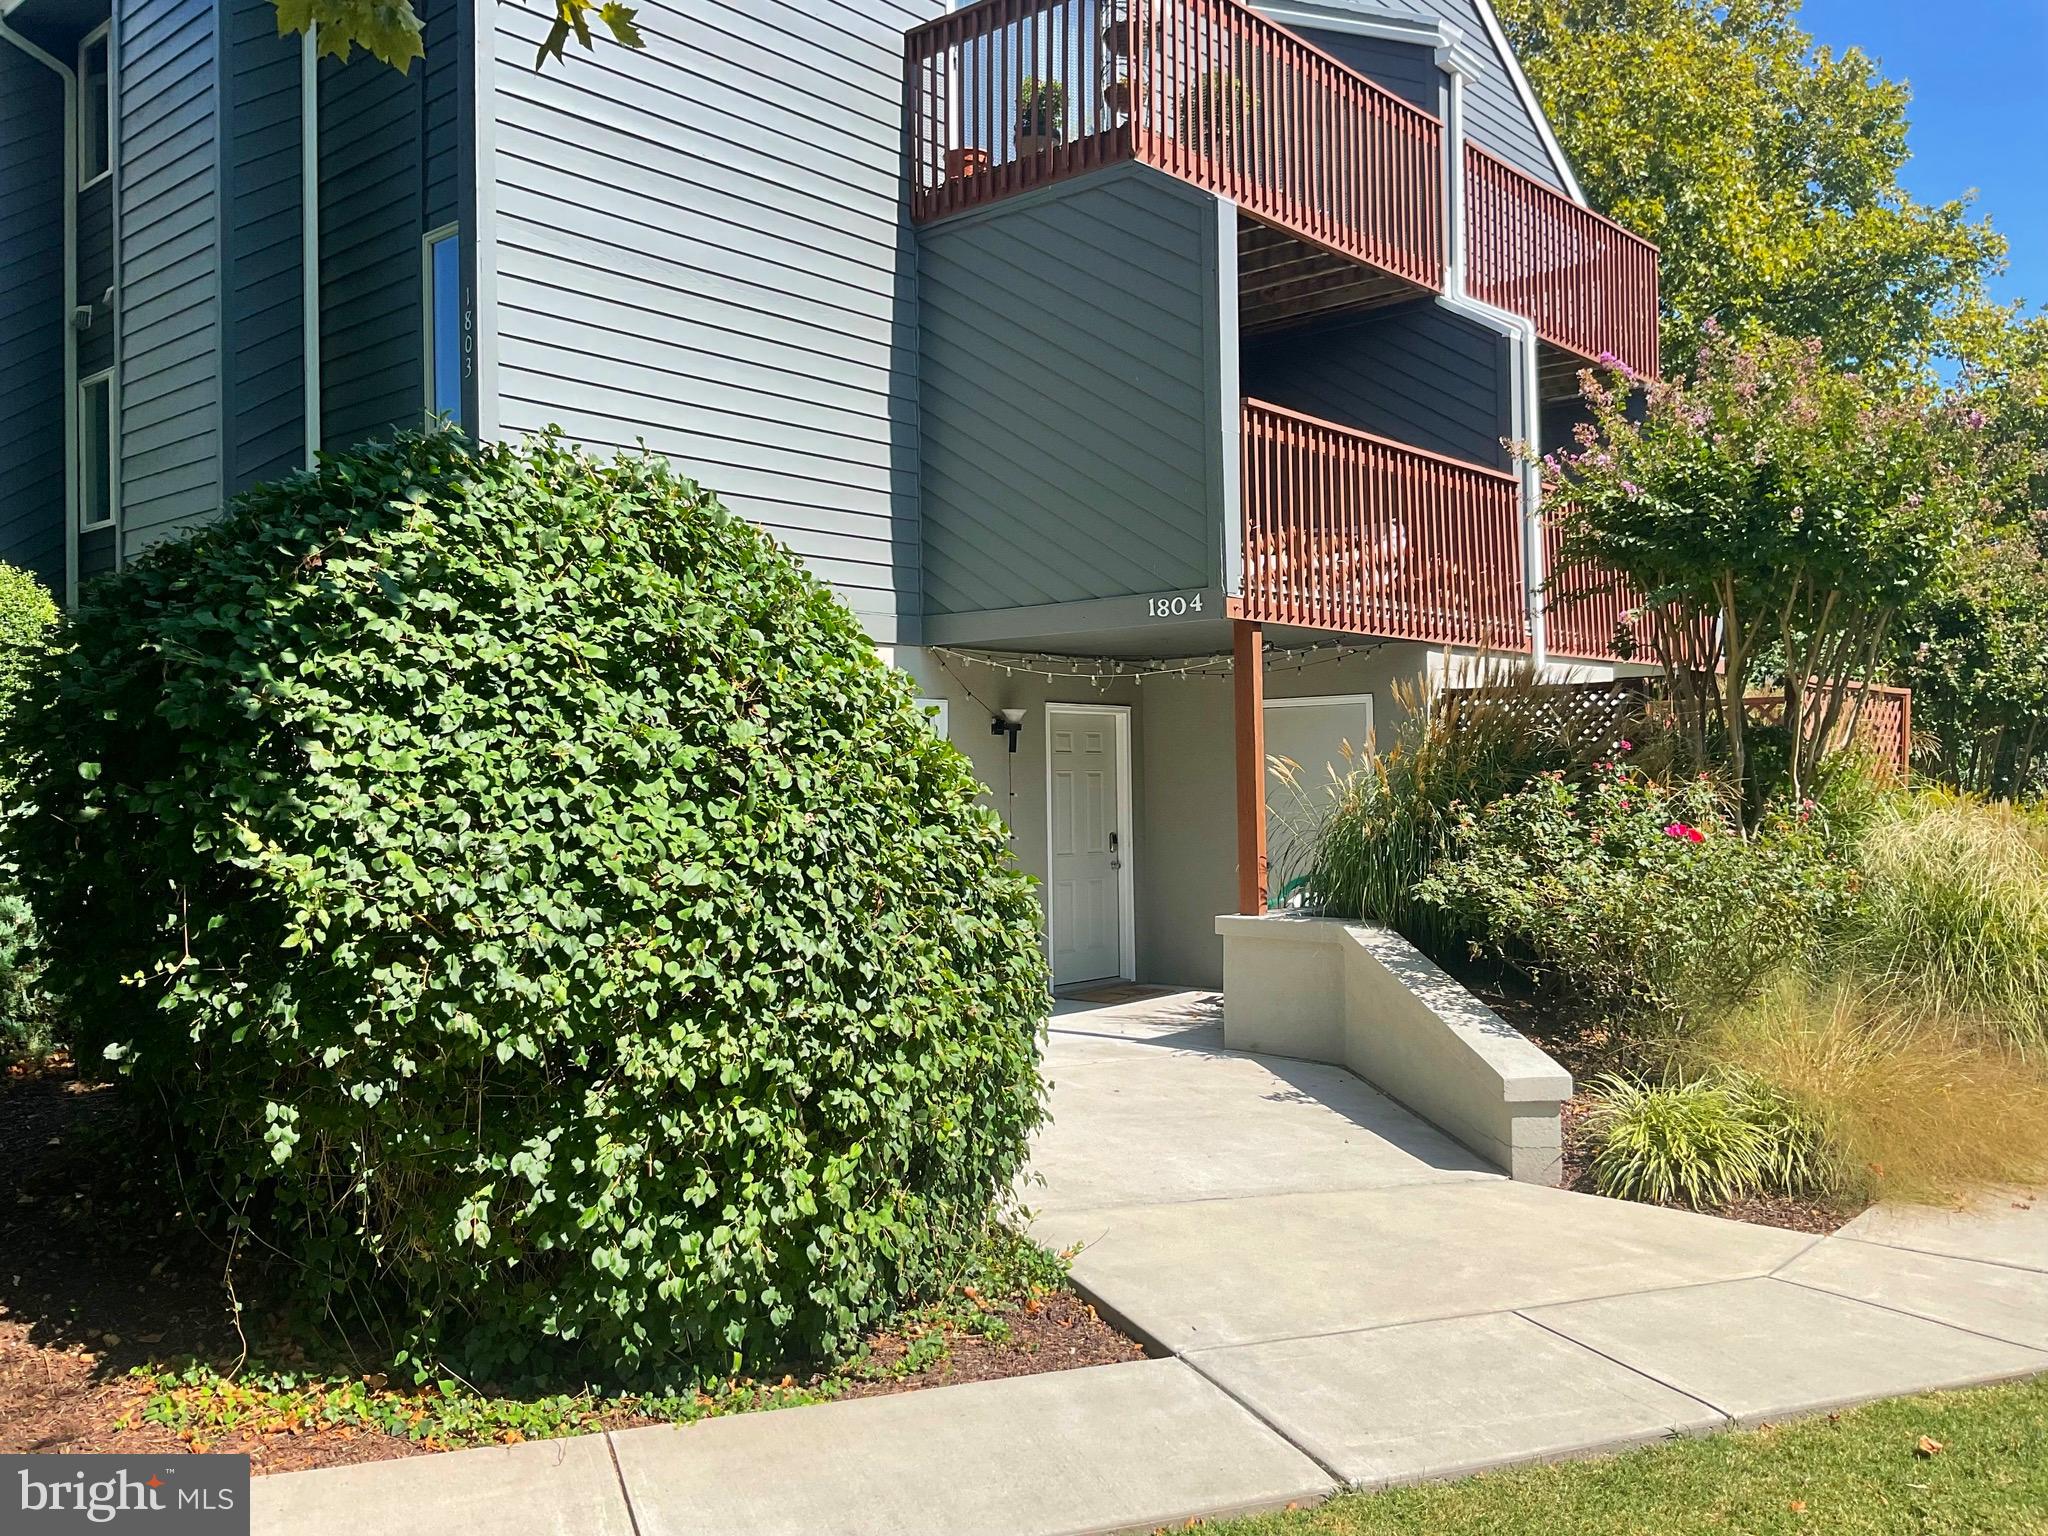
89,1291
1590,1051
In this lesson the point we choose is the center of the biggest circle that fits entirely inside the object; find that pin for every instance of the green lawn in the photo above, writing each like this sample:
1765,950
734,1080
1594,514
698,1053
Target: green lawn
1854,1475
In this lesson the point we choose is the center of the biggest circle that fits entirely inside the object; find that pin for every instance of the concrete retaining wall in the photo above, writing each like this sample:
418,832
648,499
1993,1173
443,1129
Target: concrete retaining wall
1362,997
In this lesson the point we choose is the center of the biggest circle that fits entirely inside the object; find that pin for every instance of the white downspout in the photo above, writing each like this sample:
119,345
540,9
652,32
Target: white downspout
70,79
1525,383
309,236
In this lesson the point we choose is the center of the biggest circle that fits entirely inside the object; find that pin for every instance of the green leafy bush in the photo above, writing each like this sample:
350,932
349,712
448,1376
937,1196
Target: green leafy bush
547,922
1636,898
27,619
1393,815
1698,1143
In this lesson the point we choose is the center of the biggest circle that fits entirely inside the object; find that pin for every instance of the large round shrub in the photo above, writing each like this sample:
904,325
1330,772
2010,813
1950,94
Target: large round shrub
542,916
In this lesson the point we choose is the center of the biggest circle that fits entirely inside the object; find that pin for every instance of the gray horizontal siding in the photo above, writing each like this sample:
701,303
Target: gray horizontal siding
263,322
1418,374
168,176
31,317
1071,397
740,295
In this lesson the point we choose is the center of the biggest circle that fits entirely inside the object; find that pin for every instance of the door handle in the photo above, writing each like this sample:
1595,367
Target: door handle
1115,858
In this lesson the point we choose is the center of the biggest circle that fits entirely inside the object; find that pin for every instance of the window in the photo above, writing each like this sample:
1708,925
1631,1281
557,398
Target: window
936,713
443,278
95,110
96,452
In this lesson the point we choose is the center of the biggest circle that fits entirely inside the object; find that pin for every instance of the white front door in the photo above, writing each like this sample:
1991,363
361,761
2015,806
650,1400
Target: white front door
1089,844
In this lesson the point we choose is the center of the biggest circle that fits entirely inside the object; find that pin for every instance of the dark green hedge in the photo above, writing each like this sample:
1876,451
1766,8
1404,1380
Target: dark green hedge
541,915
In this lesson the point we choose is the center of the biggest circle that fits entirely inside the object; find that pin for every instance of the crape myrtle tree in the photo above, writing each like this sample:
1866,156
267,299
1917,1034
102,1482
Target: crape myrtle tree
1975,651
1777,515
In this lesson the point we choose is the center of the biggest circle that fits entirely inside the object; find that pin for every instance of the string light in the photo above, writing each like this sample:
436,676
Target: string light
1102,670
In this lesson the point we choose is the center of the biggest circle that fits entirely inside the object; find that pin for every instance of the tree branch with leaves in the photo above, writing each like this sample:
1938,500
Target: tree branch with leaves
390,30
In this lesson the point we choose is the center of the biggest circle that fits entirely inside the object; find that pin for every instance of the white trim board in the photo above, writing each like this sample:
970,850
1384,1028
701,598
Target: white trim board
1127,887
1544,131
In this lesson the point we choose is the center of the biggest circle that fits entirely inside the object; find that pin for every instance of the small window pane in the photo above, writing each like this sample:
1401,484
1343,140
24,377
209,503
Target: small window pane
445,342
95,454
94,112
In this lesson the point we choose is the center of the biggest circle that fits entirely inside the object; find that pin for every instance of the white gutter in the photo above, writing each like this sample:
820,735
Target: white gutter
309,236
1525,384
70,79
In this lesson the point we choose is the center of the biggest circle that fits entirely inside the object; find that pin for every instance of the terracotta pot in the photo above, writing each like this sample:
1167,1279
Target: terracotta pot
965,162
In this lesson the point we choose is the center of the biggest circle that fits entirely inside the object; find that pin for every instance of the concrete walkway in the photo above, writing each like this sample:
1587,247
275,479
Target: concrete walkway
1337,1295
1399,1312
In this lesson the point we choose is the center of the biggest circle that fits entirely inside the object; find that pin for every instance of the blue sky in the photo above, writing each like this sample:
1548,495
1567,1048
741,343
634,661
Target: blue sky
1978,70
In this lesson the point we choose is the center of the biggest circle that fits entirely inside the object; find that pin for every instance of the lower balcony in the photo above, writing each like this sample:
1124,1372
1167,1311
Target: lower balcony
1347,531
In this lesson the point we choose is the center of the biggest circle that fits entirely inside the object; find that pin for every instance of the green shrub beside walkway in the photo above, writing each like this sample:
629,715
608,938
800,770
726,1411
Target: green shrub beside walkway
547,931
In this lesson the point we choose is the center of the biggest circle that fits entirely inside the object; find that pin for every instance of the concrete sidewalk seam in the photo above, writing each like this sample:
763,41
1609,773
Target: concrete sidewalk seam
1327,1470
1919,1317
1819,1238
611,1447
1439,1317
1633,1369
1936,1253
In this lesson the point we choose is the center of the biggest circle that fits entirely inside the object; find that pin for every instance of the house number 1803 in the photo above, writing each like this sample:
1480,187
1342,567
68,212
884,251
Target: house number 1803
1173,607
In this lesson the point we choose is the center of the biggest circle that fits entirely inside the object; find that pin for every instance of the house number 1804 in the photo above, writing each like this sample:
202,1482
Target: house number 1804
1173,607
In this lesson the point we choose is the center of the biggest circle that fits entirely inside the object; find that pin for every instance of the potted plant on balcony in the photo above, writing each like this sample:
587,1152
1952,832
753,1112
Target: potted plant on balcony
1041,116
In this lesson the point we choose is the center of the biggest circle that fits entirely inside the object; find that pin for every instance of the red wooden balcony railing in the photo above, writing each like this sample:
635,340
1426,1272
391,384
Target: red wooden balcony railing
1589,284
1586,611
1347,531
1013,94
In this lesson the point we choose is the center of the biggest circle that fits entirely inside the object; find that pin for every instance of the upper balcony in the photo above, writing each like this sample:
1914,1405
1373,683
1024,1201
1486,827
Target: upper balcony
1011,95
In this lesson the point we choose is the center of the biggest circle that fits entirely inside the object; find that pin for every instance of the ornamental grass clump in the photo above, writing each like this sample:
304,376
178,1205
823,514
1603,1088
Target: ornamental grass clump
1909,1103
537,916
1955,912
1700,1142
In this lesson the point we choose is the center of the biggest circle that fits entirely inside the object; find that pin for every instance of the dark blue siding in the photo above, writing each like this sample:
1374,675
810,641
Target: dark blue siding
31,317
371,213
263,322
1418,374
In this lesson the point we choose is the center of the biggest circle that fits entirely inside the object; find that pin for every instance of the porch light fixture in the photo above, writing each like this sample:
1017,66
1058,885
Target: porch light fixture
1010,723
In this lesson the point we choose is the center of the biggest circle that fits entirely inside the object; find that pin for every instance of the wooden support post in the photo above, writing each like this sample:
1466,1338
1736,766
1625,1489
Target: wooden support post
1248,670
